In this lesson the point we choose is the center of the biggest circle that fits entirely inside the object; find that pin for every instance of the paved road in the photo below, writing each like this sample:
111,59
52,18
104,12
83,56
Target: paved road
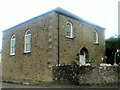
10,85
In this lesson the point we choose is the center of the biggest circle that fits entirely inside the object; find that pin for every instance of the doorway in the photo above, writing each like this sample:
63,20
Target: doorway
83,58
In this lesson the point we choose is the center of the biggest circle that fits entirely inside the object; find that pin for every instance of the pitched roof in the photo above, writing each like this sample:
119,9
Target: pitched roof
67,13
61,11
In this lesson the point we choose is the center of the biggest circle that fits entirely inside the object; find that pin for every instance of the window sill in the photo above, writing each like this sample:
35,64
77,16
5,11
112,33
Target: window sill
69,37
26,52
96,43
12,54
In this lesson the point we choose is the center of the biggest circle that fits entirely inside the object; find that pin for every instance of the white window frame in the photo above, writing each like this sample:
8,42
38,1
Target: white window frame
13,48
71,30
25,43
96,37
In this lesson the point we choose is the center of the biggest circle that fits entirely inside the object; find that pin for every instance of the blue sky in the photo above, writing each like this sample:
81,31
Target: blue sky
101,12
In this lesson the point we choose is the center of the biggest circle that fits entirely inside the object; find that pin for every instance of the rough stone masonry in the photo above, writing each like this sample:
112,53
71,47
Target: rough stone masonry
49,46
85,75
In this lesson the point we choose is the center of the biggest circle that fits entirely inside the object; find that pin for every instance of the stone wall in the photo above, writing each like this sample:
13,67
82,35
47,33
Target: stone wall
85,74
83,37
49,46
34,66
119,74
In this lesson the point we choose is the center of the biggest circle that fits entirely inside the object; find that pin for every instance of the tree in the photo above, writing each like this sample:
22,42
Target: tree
112,44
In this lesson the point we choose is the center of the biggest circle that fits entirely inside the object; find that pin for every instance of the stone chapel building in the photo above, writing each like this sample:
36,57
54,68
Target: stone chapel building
30,49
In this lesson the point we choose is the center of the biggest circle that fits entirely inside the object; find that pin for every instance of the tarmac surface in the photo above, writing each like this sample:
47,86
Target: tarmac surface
9,85
51,85
12,85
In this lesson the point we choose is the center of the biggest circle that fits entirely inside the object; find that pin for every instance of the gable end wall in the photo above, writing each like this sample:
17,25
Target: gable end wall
37,65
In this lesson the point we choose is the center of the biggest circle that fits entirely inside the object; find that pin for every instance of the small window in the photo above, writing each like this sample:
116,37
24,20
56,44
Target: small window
13,45
27,48
95,37
69,30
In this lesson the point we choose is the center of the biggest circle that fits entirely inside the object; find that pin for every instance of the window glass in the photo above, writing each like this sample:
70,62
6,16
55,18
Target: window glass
13,45
95,37
28,41
69,30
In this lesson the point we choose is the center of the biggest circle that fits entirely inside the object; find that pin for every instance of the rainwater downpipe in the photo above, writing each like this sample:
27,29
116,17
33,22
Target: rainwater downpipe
58,40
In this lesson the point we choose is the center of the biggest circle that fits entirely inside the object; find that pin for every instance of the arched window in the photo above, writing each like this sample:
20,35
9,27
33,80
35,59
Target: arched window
95,37
13,45
69,30
27,41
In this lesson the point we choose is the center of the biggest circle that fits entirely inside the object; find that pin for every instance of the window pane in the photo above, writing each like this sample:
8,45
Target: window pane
28,32
28,46
68,33
13,37
28,41
13,45
69,29
95,37
13,50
